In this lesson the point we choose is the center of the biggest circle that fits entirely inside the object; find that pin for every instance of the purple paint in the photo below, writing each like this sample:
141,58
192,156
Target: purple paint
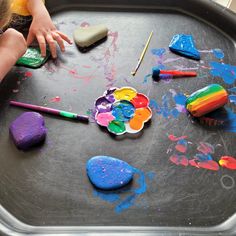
28,130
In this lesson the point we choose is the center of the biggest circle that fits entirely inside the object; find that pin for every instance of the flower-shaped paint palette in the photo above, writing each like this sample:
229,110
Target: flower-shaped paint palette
122,110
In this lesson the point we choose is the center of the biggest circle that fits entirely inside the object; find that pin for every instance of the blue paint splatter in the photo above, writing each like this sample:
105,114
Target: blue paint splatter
106,196
203,157
233,90
232,98
167,108
158,51
225,71
145,80
231,121
218,53
133,193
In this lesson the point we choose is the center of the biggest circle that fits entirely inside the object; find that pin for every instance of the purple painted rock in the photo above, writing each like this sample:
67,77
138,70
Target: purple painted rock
28,130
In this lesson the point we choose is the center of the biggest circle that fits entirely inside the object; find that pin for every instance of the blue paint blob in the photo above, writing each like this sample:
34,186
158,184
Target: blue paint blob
158,51
184,45
203,157
109,173
232,98
180,99
218,53
225,71
123,111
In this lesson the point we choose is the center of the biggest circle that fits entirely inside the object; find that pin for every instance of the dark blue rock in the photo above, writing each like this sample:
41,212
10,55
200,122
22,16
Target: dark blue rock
184,45
108,173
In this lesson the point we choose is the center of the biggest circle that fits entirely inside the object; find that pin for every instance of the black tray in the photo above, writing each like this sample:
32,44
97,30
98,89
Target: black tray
46,190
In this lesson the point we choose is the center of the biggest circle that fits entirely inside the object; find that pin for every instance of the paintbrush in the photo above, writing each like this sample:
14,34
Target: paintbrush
156,72
51,111
142,55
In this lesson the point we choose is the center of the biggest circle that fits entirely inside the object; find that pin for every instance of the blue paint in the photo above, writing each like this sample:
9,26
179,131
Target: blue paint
145,80
203,157
233,90
106,196
123,111
232,98
167,108
108,173
158,51
131,195
225,71
125,204
180,99
218,53
184,45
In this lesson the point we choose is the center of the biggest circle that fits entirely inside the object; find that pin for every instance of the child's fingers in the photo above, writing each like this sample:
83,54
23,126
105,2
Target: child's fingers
59,40
65,37
30,38
42,44
52,45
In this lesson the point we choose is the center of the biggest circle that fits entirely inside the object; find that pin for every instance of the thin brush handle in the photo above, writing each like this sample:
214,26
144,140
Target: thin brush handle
50,111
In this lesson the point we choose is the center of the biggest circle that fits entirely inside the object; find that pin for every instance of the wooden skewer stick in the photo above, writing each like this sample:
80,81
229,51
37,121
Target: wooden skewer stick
142,55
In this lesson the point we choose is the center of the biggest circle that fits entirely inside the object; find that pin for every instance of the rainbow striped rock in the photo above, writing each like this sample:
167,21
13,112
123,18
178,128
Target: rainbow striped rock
206,100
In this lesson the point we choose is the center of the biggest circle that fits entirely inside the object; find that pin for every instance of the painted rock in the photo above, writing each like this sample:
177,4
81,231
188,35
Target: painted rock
206,100
109,173
32,58
184,45
28,130
86,36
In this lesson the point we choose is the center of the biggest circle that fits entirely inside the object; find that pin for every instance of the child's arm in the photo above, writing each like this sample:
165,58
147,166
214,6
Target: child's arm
43,29
12,47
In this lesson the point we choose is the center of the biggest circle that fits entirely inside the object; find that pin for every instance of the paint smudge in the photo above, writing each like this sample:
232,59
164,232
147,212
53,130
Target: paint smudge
173,104
228,162
84,24
203,159
233,90
232,98
225,71
145,80
123,203
174,138
158,51
218,53
55,99
91,113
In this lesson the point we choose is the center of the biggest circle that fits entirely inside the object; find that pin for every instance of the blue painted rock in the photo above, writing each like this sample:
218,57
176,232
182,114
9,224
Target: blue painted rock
109,173
28,130
184,45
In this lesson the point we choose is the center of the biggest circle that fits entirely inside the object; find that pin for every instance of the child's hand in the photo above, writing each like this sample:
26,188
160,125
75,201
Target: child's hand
43,29
12,47
13,43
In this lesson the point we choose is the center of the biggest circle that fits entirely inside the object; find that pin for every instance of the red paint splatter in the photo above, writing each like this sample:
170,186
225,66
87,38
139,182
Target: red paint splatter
84,24
228,162
28,74
175,138
181,148
210,164
205,148
55,99
179,160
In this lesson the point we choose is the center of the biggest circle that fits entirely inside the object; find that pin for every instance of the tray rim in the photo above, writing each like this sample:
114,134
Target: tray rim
10,225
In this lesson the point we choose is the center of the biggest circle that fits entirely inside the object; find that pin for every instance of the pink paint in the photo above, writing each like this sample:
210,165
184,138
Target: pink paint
181,148
210,164
84,24
28,74
104,119
114,36
175,138
86,66
55,99
205,148
179,160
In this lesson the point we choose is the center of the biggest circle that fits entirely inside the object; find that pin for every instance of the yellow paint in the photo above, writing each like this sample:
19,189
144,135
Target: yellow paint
125,93
206,99
19,7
